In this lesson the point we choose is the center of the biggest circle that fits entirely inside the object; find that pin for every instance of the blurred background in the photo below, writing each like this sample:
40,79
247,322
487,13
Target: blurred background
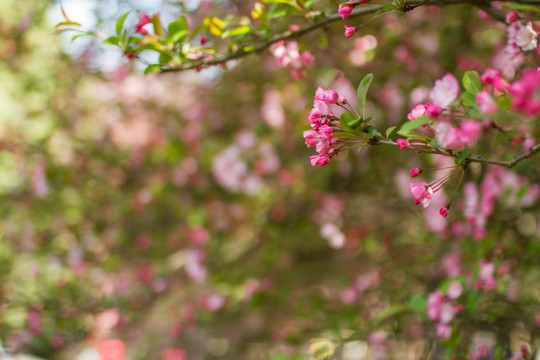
177,215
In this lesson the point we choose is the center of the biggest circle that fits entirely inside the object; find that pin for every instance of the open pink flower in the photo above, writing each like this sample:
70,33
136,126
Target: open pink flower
422,193
493,77
311,137
485,102
445,91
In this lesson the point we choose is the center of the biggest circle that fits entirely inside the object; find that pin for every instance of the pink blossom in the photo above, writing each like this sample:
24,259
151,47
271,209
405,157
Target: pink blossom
319,160
326,132
345,10
444,211
173,354
434,303
113,349
349,296
479,353
447,135
444,331
327,96
144,19
522,36
485,102
448,312
525,93
445,91
322,146
422,193
350,31
311,137
511,17
455,289
418,111
433,110
493,77
415,172
402,144
470,132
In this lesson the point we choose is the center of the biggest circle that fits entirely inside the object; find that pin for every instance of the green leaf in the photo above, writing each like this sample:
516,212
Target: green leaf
113,40
523,7
413,124
67,23
392,311
120,23
81,35
471,82
152,68
241,30
178,30
418,303
355,124
390,130
469,99
503,102
384,9
371,131
363,88
462,156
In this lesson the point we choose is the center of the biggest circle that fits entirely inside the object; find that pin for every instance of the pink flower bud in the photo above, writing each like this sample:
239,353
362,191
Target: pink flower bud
443,211
143,20
341,100
326,132
319,160
415,172
203,40
511,17
433,110
345,10
311,137
350,31
402,144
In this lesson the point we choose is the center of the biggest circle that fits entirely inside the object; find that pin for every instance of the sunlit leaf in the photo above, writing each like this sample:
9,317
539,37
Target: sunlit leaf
363,88
120,23
215,26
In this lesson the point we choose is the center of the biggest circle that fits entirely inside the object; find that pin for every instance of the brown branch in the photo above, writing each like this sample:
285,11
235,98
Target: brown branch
477,159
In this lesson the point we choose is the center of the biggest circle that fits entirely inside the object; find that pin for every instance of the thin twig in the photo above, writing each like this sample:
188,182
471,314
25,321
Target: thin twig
477,159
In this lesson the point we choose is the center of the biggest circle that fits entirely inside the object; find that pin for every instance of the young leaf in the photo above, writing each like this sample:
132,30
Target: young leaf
390,130
471,82
410,125
178,30
363,88
158,26
112,40
462,156
259,13
241,30
469,99
152,68
120,23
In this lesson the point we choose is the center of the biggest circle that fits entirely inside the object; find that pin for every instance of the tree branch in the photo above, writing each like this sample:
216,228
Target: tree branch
359,11
477,159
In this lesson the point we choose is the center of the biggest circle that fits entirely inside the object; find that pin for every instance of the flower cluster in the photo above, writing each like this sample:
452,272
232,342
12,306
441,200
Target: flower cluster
442,310
520,37
526,93
288,55
323,123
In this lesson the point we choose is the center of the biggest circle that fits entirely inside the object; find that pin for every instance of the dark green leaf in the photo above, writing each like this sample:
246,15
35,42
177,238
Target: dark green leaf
371,131
418,303
462,156
355,124
363,88
523,7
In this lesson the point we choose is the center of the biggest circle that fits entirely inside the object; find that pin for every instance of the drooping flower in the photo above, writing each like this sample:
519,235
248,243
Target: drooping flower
445,91
345,10
415,172
422,193
319,160
350,31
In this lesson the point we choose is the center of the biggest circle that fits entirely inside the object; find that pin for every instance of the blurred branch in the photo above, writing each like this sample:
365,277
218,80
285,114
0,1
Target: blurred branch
359,11
478,159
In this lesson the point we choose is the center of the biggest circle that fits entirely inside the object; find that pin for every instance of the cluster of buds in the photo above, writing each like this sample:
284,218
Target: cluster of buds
288,55
322,120
345,10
